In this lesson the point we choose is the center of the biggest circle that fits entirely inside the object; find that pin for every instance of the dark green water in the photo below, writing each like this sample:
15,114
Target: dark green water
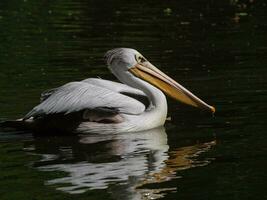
217,49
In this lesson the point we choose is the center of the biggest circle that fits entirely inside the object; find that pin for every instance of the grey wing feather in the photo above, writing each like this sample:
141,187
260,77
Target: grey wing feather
77,96
120,88
114,86
47,93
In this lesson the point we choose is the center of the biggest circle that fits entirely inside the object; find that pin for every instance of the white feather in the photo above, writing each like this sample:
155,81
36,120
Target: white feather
77,96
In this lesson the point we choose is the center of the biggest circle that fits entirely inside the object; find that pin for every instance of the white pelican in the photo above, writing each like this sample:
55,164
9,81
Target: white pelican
102,106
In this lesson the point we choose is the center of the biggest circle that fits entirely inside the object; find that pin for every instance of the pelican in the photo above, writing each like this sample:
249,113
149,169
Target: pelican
95,105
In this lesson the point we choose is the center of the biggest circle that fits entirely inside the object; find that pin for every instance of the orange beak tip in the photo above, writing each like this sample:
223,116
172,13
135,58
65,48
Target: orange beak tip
213,110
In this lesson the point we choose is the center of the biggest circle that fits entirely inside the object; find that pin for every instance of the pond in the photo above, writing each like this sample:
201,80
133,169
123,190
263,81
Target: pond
217,49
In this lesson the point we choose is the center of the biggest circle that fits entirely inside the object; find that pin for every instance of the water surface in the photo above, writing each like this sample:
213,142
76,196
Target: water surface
216,49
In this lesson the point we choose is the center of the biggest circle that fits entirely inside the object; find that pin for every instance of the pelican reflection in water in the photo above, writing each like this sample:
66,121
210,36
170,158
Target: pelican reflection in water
102,106
122,164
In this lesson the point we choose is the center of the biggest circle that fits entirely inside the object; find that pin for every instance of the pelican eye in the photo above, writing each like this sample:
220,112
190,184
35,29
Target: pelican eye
140,59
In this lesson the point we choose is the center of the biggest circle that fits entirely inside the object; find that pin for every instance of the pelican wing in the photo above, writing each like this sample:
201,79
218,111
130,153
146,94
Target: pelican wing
120,88
77,96
114,86
111,85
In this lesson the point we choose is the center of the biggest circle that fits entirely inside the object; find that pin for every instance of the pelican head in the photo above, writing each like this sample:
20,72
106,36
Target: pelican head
122,61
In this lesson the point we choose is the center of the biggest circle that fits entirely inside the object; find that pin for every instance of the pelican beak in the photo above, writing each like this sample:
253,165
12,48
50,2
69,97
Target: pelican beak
151,74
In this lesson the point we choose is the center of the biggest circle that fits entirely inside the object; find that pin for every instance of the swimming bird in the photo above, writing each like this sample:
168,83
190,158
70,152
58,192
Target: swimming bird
95,105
